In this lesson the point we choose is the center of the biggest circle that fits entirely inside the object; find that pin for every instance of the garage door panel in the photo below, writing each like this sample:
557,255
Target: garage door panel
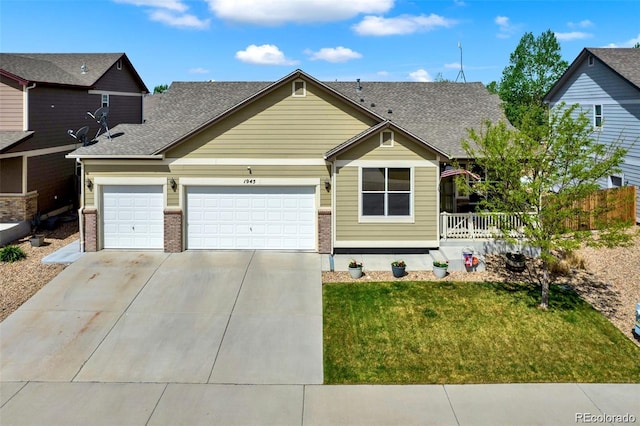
133,216
251,217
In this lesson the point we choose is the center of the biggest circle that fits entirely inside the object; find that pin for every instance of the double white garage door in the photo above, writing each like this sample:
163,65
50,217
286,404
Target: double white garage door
277,218
251,218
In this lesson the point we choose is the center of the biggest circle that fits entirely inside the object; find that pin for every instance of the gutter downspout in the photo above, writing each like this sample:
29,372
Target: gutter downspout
81,209
25,109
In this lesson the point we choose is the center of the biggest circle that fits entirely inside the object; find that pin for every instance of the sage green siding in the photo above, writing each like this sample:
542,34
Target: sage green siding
279,126
135,170
402,149
425,210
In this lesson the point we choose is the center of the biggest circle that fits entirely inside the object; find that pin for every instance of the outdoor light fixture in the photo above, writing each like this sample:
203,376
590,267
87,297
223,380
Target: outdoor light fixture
327,184
89,184
173,183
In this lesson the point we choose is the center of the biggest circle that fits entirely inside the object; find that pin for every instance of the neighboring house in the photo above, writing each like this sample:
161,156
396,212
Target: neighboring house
606,84
295,164
42,96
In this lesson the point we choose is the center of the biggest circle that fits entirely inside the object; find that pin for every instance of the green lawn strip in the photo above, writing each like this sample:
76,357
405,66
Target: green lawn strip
451,332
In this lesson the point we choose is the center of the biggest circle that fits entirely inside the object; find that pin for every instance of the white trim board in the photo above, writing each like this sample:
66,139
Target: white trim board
39,152
386,163
248,181
114,93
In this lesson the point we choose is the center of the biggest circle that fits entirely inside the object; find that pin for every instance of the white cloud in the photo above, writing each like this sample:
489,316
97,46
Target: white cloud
420,75
453,65
181,21
582,24
266,54
403,24
574,35
170,12
175,5
505,27
628,43
277,12
333,54
199,70
383,73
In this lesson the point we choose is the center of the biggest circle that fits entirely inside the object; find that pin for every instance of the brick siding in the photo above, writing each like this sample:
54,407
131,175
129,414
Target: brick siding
90,230
173,231
324,231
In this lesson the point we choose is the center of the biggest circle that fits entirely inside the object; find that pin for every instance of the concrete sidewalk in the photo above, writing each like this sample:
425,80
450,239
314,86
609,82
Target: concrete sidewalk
38,403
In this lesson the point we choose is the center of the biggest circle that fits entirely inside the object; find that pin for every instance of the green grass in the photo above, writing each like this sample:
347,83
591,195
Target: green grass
451,332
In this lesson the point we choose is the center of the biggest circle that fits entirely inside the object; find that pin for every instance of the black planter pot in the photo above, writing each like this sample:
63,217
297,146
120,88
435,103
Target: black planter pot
398,271
515,262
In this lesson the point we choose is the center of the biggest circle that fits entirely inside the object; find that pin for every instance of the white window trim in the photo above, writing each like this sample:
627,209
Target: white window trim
304,89
595,116
392,140
610,181
387,219
102,98
119,64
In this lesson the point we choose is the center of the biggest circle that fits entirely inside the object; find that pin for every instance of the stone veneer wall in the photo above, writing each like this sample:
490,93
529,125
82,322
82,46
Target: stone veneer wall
324,231
18,207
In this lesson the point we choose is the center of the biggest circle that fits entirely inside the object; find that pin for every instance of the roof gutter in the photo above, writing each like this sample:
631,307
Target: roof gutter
114,157
25,107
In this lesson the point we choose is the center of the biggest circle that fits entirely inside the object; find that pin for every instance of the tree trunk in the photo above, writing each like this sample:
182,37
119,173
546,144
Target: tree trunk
544,304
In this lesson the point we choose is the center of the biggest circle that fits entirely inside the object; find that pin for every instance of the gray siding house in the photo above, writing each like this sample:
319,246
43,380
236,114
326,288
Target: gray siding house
605,82
42,96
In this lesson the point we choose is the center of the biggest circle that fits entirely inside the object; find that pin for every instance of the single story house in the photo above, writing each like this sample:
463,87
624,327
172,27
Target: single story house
296,164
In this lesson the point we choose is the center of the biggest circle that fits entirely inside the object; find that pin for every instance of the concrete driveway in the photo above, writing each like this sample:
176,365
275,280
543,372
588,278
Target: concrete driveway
191,317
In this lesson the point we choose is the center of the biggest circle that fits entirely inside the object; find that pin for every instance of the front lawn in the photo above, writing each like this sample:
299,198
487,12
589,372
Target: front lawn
458,332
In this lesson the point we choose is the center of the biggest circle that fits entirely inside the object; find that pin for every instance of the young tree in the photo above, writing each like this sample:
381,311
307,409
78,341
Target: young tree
546,176
535,65
161,88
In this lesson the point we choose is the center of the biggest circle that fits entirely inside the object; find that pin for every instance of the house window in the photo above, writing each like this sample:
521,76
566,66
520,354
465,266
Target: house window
105,100
590,61
119,64
386,191
597,116
386,138
299,89
615,181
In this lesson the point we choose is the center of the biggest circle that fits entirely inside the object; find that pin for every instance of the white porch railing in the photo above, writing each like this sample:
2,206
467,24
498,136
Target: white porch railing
480,225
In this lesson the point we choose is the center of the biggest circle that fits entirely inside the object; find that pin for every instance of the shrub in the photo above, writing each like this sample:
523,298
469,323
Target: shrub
11,254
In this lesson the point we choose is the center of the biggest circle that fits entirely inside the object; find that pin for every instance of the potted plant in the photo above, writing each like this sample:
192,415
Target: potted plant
37,239
440,268
398,268
355,269
515,262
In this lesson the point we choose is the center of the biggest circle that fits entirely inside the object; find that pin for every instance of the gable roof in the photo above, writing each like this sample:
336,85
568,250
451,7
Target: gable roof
625,62
61,68
436,114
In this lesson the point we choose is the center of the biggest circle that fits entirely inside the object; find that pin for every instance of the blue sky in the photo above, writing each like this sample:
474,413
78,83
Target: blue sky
374,40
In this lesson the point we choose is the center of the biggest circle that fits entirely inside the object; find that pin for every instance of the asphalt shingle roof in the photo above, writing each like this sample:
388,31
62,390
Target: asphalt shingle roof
624,61
59,68
10,138
438,113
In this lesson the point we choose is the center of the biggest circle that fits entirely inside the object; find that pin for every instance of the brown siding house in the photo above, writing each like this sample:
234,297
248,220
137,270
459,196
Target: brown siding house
42,96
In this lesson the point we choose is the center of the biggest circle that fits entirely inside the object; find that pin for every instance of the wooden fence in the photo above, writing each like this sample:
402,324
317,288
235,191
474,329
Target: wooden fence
605,206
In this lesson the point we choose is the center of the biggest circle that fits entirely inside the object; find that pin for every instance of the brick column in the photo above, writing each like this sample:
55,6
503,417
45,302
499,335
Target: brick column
90,217
324,230
173,231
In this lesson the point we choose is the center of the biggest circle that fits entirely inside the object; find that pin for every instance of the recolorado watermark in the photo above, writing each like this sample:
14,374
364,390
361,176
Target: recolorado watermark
605,418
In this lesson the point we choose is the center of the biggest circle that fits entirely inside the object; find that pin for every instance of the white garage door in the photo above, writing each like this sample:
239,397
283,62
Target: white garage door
133,217
270,218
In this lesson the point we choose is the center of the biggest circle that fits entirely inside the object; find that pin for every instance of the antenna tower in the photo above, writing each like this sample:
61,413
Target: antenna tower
461,72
